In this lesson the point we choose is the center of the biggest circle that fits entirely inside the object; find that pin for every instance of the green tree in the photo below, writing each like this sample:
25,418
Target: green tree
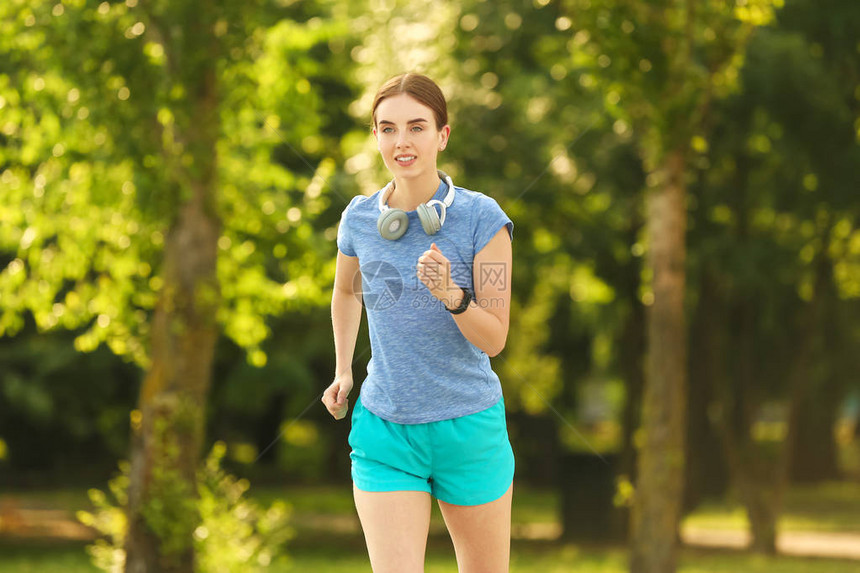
828,32
774,217
659,66
141,182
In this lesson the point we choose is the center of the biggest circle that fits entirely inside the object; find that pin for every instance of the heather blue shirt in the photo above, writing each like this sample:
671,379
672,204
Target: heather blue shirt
422,368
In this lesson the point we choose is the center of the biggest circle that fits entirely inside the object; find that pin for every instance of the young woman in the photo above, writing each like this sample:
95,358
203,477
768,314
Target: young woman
431,263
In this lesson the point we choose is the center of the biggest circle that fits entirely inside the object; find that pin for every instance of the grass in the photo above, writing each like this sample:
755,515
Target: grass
830,507
345,554
320,547
44,557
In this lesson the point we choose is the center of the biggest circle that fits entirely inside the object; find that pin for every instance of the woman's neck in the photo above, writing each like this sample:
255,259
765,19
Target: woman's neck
409,193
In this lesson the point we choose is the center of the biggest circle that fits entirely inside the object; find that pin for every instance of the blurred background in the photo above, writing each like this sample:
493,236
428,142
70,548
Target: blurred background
563,111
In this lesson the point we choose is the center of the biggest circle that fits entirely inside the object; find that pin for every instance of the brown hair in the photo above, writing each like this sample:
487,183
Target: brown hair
421,88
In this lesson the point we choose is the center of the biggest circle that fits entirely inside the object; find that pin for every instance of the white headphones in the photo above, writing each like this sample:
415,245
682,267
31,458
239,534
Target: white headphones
392,223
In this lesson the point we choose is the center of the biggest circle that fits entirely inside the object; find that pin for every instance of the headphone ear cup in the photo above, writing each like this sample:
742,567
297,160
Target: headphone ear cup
392,224
429,219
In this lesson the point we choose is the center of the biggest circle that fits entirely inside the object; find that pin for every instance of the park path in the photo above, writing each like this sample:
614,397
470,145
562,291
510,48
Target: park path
33,523
39,522
795,543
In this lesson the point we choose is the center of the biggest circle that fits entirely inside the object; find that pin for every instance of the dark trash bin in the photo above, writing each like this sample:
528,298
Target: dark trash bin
587,486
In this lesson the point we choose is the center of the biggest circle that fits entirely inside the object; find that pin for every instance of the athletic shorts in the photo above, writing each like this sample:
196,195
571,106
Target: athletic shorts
463,461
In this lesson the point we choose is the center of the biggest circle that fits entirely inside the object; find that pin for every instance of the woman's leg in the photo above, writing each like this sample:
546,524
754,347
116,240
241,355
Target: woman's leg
395,527
481,534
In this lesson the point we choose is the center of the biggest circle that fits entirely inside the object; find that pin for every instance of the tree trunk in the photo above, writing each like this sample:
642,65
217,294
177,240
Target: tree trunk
763,503
814,457
706,473
659,488
760,484
760,472
168,427
758,475
168,435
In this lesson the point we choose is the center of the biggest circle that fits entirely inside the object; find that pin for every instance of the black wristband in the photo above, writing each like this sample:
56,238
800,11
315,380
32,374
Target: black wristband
464,304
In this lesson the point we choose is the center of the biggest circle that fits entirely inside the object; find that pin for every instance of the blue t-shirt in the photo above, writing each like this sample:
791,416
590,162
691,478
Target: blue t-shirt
422,369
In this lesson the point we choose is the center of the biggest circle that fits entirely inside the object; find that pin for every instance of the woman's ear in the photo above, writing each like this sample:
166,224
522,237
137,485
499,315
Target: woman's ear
445,133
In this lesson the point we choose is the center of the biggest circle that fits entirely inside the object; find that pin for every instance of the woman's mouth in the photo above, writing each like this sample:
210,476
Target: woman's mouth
405,160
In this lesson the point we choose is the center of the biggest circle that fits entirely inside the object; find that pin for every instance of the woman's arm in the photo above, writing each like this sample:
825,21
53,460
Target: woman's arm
486,320
345,319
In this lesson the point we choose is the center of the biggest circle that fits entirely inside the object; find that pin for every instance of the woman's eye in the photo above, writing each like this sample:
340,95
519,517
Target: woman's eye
417,128
387,130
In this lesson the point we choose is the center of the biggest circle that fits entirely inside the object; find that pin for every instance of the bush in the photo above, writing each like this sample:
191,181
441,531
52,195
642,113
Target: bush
235,534
303,452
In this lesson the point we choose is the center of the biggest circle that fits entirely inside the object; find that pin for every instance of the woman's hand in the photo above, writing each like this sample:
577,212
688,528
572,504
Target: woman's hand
434,270
335,395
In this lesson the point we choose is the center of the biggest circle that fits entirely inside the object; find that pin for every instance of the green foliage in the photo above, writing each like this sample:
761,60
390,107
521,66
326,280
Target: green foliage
234,534
660,64
110,520
67,221
97,156
774,215
170,507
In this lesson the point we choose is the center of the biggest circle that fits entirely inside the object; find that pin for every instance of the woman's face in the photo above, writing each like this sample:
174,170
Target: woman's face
407,136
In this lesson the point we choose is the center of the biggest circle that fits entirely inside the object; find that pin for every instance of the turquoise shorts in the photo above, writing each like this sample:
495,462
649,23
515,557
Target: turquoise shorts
463,461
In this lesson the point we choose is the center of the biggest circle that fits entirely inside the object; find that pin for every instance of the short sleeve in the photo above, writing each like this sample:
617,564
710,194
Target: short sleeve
344,233
487,220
